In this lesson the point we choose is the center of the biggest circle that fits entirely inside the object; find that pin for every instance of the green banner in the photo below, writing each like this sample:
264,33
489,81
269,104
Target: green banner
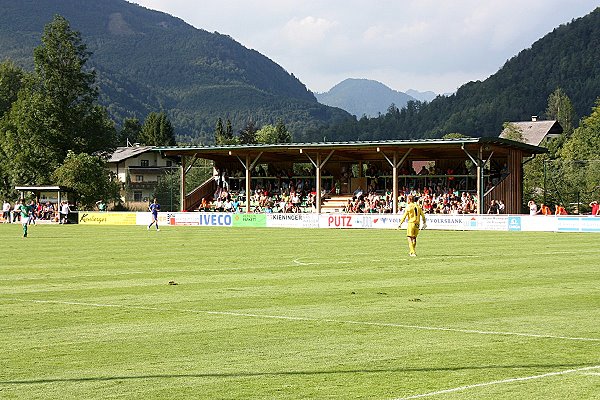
254,220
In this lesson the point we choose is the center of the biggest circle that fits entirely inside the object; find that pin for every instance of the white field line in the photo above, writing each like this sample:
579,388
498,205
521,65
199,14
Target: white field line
309,319
500,382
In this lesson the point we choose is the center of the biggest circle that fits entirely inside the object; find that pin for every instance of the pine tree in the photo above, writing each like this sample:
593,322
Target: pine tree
157,130
219,132
248,134
56,110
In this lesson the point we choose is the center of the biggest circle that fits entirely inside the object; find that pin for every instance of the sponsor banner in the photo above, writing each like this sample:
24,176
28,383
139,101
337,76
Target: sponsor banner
251,220
182,218
490,222
538,223
107,218
514,223
590,224
386,221
215,219
144,218
451,222
345,221
578,224
286,220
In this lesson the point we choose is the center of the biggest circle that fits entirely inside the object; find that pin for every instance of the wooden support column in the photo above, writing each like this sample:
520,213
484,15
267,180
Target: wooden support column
182,185
318,183
248,178
480,188
248,167
318,166
395,183
480,164
395,165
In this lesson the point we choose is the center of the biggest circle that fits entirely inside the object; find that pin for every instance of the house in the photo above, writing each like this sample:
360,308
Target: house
139,168
534,132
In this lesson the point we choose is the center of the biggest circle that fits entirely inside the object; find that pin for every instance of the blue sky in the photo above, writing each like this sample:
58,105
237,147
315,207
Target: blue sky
425,45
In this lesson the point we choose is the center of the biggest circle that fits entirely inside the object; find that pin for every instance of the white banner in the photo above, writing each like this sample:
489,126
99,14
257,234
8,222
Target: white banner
307,220
345,221
461,222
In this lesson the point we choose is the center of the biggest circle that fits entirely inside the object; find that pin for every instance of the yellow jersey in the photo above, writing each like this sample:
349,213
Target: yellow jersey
413,213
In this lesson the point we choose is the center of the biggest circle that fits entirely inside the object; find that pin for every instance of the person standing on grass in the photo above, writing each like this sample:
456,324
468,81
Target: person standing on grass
413,214
6,212
154,208
64,212
24,211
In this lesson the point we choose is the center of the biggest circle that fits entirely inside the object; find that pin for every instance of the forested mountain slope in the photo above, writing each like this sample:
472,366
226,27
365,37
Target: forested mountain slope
568,57
147,61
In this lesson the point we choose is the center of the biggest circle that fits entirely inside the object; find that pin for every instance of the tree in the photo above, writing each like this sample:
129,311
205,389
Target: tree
283,134
219,132
11,80
69,88
584,143
513,132
130,132
248,134
157,130
267,135
560,108
89,178
55,110
228,130
575,174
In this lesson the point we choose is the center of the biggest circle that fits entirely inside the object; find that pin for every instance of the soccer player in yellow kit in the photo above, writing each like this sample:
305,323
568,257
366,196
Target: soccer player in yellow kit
413,213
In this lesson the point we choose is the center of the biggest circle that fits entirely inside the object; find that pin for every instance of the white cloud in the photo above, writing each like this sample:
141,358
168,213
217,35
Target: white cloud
418,44
308,31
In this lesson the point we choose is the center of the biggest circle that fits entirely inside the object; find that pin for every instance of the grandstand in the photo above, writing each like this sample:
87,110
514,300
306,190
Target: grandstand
490,168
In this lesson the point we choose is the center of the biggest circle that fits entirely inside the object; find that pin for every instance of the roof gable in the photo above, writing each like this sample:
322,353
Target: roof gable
534,132
124,153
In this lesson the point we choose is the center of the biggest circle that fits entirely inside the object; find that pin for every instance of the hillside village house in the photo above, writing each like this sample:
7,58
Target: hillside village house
535,131
138,168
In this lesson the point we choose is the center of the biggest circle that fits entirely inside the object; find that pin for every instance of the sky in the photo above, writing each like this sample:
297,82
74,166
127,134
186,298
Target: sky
426,45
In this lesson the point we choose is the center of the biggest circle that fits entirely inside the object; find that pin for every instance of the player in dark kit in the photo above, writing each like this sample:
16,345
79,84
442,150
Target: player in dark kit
154,208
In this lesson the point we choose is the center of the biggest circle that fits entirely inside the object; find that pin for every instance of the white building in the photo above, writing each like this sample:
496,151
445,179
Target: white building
138,168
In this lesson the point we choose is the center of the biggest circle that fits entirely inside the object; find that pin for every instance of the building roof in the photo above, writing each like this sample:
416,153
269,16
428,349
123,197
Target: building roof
423,149
41,188
123,153
534,132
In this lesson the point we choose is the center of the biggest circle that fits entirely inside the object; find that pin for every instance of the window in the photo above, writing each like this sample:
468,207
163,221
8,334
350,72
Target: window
137,196
169,163
145,163
139,178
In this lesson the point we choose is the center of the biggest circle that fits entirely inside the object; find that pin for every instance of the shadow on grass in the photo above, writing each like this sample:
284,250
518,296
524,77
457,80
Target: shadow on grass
285,373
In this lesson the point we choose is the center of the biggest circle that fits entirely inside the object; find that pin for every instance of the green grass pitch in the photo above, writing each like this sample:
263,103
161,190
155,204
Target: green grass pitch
87,312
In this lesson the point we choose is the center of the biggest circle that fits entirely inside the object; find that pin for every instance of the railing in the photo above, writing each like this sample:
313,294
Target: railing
194,198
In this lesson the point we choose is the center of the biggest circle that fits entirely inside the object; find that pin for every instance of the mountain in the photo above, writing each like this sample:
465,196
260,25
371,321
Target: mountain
421,96
150,61
363,97
565,58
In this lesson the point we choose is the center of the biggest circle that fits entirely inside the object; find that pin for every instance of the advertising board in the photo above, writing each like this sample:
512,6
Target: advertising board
307,220
345,221
250,220
107,218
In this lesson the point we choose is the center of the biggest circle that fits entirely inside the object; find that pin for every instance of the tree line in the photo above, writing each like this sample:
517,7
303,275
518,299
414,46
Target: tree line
53,130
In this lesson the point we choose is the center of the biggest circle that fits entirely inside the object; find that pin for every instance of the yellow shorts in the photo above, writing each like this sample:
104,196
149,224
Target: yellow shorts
412,230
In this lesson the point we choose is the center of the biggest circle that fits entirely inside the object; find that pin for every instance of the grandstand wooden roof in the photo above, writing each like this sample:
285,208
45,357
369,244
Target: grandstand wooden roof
424,149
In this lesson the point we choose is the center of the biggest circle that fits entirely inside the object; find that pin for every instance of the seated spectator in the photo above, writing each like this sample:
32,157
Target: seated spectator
560,210
545,210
